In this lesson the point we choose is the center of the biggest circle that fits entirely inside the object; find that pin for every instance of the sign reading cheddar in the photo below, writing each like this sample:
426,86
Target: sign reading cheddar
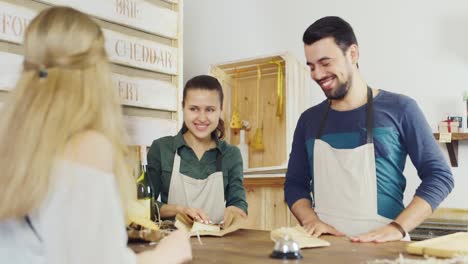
138,14
140,53
13,22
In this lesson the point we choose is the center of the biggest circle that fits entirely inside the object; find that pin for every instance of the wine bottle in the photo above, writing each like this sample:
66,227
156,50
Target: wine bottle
144,189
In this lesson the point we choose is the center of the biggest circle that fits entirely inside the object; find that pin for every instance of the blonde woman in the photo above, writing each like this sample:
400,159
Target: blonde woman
64,180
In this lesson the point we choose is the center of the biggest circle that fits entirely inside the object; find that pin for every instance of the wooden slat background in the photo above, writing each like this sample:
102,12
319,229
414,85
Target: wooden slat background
176,80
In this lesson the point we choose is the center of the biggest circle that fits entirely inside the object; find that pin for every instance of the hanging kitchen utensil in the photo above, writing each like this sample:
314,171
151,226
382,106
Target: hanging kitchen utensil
236,122
280,91
257,141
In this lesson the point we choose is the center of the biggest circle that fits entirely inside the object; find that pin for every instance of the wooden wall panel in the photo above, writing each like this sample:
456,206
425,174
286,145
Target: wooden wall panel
150,95
138,14
267,209
143,130
10,68
257,209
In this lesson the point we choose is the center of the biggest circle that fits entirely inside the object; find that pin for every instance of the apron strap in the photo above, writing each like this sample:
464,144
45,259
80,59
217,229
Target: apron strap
322,122
28,221
369,118
219,161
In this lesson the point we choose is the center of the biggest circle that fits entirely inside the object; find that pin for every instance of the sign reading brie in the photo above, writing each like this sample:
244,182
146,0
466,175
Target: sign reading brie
13,22
143,130
146,93
140,53
121,48
137,14
11,66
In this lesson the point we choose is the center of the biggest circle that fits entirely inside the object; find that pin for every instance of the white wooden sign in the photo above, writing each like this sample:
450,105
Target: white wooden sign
146,93
140,53
143,130
11,66
139,92
137,14
13,22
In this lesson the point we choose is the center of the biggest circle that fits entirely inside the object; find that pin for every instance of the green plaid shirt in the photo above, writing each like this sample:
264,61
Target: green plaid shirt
161,160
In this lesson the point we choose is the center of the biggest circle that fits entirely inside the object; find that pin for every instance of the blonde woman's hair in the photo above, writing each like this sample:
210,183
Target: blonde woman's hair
65,88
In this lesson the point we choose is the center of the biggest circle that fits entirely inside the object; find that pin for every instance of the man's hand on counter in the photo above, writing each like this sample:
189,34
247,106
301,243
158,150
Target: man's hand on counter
413,215
317,228
384,234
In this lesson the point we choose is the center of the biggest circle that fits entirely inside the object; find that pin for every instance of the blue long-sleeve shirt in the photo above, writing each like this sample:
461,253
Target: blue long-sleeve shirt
400,129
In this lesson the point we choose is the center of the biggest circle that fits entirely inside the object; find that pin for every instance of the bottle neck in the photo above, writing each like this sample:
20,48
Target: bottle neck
242,136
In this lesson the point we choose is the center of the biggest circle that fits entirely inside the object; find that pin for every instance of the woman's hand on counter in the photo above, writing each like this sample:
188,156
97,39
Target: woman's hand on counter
233,210
386,233
173,249
196,214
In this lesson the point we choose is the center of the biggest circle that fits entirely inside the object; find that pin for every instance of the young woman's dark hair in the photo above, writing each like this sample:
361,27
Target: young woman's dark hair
331,26
206,82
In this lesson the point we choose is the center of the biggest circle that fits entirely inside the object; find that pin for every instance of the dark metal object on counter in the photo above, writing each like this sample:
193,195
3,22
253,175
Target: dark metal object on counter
430,229
286,248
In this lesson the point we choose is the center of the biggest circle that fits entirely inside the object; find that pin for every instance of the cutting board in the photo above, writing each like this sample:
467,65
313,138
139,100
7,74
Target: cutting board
443,246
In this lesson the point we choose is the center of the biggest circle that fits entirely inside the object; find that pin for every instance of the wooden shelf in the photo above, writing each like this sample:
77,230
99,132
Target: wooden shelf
250,183
452,147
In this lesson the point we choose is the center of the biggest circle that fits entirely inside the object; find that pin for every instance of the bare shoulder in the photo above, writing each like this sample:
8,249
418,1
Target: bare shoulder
90,148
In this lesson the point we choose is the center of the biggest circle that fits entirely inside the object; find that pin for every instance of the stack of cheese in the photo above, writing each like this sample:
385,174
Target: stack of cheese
139,227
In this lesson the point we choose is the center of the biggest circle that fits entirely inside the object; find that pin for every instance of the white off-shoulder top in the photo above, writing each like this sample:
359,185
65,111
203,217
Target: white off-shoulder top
80,221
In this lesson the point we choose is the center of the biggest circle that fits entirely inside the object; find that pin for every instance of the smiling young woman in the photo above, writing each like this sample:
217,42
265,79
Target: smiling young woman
196,171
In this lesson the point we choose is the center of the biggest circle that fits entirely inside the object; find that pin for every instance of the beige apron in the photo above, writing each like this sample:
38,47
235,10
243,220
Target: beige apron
345,183
207,194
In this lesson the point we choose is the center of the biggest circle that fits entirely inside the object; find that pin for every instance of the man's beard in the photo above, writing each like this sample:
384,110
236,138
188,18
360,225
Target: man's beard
340,91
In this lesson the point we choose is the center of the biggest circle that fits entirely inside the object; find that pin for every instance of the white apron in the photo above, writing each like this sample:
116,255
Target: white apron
345,182
207,194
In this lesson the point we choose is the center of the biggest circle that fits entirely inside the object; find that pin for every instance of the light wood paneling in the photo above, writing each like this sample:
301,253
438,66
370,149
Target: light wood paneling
274,129
257,212
277,210
243,75
267,208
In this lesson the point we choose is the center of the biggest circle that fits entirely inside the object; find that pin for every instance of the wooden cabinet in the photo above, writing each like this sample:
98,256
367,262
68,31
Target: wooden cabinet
267,208
269,92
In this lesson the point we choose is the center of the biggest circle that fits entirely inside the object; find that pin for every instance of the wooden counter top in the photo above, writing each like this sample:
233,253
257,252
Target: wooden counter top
255,247
252,246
